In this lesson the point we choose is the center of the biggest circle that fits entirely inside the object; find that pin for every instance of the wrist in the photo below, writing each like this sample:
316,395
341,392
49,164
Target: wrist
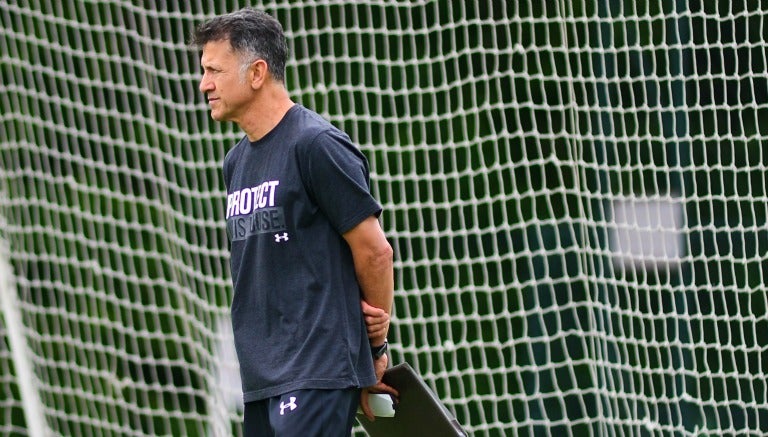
377,340
378,350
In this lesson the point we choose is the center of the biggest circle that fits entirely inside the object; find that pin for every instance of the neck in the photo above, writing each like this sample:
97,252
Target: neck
268,108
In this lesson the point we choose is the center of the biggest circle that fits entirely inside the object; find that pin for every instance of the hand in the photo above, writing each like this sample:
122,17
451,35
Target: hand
376,323
380,366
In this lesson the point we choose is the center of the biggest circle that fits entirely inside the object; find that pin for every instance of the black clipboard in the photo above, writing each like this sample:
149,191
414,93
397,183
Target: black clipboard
419,412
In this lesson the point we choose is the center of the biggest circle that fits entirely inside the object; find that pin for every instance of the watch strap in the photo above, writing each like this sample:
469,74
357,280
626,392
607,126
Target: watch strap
378,351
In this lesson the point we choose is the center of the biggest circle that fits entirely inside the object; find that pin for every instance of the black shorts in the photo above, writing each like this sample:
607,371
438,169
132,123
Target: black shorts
303,413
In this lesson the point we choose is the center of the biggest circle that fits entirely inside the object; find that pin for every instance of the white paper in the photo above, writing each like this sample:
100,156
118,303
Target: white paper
381,405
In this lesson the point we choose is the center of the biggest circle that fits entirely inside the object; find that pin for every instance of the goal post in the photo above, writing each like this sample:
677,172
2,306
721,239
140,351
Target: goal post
575,191
15,355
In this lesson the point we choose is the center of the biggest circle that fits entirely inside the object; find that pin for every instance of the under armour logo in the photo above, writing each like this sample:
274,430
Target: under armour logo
281,237
292,405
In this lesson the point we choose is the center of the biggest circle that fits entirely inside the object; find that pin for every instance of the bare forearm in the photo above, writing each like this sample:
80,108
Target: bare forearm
372,255
376,278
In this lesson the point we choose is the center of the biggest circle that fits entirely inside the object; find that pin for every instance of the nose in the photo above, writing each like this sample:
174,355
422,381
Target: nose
206,85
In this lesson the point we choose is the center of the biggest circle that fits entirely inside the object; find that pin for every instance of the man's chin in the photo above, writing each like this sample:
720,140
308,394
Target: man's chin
216,116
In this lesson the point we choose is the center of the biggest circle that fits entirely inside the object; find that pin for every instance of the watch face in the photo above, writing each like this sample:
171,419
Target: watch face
378,351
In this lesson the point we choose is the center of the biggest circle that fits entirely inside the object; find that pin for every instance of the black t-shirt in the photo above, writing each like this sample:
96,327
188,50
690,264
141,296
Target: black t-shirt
296,309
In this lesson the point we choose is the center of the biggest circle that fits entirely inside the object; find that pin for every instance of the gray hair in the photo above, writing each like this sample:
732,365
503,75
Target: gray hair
253,35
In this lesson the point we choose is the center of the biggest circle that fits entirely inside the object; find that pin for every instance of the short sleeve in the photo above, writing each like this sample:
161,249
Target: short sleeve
336,176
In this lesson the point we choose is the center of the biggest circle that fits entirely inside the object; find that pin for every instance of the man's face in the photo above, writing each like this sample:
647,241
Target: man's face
223,84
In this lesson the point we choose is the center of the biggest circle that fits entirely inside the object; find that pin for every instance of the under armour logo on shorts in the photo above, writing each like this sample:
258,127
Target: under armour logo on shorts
291,404
281,237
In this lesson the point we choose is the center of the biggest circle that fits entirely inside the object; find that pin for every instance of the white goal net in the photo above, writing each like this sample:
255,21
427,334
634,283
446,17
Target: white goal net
575,191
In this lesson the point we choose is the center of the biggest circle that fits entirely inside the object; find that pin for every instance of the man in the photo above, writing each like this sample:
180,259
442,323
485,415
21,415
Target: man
311,267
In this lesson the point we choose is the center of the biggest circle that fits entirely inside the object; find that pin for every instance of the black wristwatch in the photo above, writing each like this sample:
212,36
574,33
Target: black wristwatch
378,351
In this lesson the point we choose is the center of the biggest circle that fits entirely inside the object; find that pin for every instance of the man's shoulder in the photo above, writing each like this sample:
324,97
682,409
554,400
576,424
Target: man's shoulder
310,124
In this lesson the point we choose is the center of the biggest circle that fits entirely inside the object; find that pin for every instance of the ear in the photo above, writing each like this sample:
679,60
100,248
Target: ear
257,73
